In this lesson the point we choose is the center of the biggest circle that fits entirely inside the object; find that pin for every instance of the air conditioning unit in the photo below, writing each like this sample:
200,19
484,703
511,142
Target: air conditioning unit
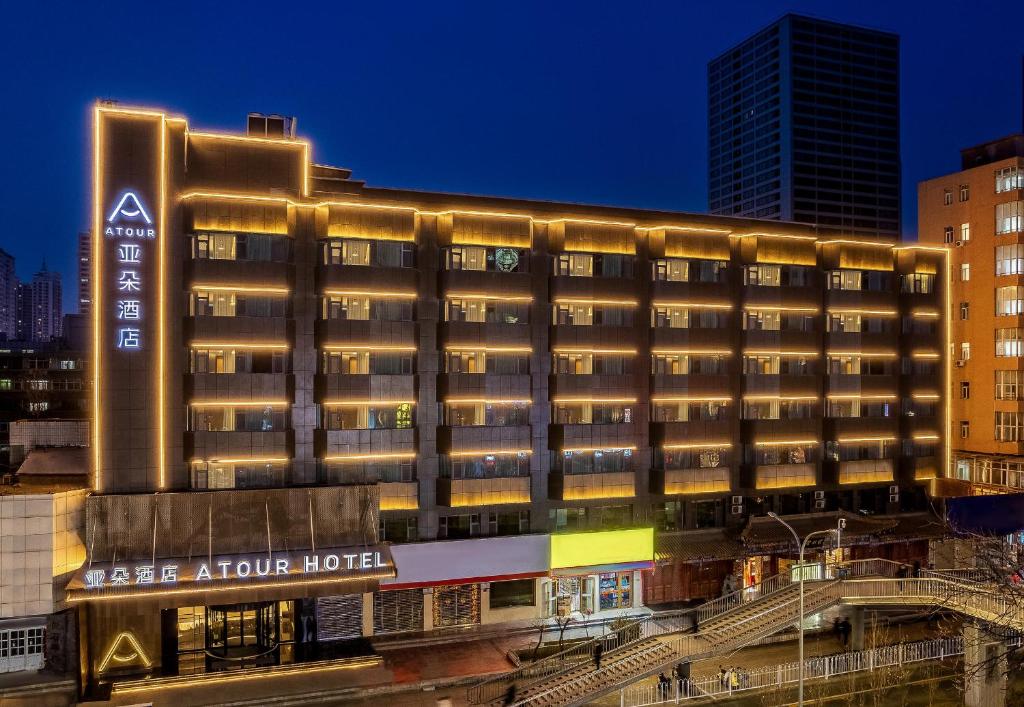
894,489
894,499
819,495
737,500
737,510
959,244
819,504
961,363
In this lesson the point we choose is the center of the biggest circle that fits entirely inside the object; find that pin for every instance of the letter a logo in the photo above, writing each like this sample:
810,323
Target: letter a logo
130,208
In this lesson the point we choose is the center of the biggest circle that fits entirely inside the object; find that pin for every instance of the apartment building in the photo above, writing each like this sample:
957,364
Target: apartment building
978,213
358,411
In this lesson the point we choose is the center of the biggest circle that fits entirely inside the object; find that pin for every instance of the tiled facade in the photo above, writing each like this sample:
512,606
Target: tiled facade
41,542
978,213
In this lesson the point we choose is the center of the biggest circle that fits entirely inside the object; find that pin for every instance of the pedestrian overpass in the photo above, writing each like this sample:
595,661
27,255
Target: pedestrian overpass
654,644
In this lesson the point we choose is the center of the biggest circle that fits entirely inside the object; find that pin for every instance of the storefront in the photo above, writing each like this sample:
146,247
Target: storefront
598,573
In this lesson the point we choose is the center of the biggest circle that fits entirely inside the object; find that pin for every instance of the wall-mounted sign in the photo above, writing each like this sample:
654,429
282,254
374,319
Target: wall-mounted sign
131,225
203,573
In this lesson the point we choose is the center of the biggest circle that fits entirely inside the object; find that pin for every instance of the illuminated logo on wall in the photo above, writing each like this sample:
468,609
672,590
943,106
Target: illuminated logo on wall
129,220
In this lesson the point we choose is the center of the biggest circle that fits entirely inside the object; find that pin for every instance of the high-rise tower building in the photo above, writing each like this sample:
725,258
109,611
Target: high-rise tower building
803,125
45,305
8,296
84,281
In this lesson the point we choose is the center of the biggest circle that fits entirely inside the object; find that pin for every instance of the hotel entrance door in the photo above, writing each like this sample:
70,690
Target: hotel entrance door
241,635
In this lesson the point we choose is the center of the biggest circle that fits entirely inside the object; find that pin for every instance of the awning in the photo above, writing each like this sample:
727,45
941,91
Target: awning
469,561
765,534
696,546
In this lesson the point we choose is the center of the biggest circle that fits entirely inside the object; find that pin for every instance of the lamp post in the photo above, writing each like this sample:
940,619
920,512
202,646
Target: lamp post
800,621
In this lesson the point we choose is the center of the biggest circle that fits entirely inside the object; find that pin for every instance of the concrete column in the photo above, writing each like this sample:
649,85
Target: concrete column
485,602
428,609
856,616
368,614
638,589
984,668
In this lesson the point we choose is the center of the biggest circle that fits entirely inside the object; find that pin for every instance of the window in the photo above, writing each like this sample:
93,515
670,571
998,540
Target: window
485,466
965,272
594,265
373,416
844,280
489,259
461,526
1009,385
948,234
947,197
1010,342
483,361
599,461
965,192
565,363
965,429
1010,259
510,523
398,529
965,232
965,311
965,351
918,283
486,414
583,314
368,362
1009,217
382,254
243,246
683,270
486,310
588,413
1009,300
226,360
220,303
517,592
1009,426
1009,179
367,308
965,390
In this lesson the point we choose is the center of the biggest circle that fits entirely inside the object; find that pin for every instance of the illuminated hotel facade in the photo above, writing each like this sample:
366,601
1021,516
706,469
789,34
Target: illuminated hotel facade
326,410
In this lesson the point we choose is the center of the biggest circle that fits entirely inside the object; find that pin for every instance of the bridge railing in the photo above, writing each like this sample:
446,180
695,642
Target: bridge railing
776,676
647,627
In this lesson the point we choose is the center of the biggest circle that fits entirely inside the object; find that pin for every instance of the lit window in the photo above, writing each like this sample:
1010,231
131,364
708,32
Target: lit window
965,390
948,234
965,351
965,272
965,192
1009,217
965,232
947,197
965,429
965,311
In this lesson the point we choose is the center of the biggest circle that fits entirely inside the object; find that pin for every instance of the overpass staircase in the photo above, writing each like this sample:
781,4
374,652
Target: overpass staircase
647,646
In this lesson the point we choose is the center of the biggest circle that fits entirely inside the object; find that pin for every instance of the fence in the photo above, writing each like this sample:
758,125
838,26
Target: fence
788,673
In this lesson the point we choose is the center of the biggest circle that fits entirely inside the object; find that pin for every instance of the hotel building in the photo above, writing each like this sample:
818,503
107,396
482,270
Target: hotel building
327,410
978,212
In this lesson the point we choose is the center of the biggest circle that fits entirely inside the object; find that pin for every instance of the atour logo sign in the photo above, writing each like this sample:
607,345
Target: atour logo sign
130,225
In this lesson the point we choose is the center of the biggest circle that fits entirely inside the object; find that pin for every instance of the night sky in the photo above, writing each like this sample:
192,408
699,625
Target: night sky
589,101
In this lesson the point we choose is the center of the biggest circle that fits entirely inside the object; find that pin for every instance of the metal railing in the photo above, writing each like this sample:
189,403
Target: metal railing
769,677
633,632
957,593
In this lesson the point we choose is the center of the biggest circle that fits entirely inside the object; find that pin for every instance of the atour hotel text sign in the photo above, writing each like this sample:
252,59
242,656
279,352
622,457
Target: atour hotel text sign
131,227
198,575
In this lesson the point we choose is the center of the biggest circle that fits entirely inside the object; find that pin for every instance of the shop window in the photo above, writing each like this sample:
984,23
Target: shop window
517,592
615,590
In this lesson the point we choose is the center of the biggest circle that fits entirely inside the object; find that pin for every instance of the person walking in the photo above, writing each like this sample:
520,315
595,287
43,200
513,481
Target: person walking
845,628
916,571
510,695
901,575
598,650
723,677
734,679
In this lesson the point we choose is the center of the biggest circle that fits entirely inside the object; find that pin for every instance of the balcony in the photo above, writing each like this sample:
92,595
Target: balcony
489,386
240,386
866,471
364,386
345,442
588,385
716,431
484,438
459,493
515,284
599,288
714,340
229,445
598,336
715,292
366,278
584,487
609,436
484,334
399,496
673,482
885,301
692,385
239,271
238,329
784,476
365,332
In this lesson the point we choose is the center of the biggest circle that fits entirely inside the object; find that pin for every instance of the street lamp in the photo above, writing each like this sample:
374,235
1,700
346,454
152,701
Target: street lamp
800,621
